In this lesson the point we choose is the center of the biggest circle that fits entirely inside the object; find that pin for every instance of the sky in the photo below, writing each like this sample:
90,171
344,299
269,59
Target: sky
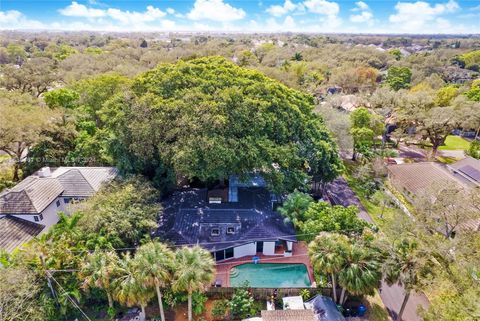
316,16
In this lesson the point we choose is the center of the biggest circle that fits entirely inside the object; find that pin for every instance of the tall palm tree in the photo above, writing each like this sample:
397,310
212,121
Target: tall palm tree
195,271
129,288
99,271
405,264
361,273
327,253
155,265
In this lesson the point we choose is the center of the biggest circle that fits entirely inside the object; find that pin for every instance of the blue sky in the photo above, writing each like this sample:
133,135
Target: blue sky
374,16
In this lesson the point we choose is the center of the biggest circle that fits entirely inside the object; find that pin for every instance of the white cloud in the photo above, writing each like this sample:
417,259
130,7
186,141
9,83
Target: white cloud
132,17
79,10
323,7
280,10
170,10
14,19
417,14
362,5
364,14
125,17
215,10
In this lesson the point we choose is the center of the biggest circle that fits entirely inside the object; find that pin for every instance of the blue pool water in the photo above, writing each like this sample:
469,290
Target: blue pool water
270,275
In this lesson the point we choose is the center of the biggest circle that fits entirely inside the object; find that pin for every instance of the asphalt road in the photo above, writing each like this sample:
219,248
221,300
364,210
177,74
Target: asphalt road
340,193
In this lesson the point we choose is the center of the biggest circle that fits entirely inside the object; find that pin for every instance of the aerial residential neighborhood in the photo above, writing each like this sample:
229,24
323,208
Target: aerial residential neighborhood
220,160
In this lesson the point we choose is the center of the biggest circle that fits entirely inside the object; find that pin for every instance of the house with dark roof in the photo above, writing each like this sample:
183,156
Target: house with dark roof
37,199
467,169
241,224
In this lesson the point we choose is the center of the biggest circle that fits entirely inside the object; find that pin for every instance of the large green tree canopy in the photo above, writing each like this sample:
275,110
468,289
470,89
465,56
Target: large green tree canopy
208,118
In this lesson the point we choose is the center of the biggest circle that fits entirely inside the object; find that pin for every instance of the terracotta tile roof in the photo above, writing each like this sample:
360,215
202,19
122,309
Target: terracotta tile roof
288,315
15,232
416,177
30,196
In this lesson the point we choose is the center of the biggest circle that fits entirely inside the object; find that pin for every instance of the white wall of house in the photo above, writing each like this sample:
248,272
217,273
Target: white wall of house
50,216
289,245
244,250
269,248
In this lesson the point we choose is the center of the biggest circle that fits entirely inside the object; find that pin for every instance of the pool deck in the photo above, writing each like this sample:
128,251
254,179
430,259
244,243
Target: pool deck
300,255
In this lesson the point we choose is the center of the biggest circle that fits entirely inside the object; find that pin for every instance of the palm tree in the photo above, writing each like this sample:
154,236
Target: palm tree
155,264
361,273
194,273
327,253
129,288
405,265
99,271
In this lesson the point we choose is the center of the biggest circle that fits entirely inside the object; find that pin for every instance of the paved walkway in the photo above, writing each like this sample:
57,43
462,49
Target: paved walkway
340,193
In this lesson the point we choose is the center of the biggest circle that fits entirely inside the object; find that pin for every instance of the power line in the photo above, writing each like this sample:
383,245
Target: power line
221,263
68,296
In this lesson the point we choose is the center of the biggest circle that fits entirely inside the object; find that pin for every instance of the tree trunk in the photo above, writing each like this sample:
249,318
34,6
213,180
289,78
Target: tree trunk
160,303
190,307
16,168
110,300
342,296
404,304
334,287
143,315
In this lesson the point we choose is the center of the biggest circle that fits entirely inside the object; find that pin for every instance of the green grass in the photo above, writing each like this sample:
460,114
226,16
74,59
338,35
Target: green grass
447,159
455,143
375,210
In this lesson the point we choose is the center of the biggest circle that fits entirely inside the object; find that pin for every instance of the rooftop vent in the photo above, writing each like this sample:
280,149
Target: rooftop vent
44,172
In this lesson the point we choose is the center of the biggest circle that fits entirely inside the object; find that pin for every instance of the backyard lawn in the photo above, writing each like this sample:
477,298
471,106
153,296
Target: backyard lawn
455,143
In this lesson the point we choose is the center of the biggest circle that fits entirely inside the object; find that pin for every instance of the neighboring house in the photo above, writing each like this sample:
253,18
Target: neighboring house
319,308
233,222
467,169
288,315
414,178
38,199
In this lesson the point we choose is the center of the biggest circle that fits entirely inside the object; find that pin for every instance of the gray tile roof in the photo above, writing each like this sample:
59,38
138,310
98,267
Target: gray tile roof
30,196
188,219
35,193
288,315
16,231
83,181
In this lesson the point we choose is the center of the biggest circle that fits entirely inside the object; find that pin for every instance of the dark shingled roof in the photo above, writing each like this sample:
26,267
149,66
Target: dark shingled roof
15,232
189,219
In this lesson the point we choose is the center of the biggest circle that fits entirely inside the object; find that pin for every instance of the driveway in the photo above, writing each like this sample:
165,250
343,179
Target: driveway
339,193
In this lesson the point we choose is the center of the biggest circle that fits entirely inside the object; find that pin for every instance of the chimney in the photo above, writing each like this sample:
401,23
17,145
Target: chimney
44,172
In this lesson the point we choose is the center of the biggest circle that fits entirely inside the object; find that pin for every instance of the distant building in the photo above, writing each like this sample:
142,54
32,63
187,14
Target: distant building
37,199
468,169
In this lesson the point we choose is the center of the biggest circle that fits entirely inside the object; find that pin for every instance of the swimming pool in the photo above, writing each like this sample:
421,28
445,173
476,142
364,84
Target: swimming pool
270,275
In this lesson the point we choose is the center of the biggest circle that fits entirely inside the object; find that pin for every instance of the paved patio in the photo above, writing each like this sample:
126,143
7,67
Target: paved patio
300,255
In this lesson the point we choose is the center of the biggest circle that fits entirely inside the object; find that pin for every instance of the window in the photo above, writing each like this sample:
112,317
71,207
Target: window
229,253
220,255
58,203
67,200
215,232
230,230
40,216
36,218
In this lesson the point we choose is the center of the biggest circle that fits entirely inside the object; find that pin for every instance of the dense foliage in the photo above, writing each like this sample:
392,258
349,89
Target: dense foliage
217,119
